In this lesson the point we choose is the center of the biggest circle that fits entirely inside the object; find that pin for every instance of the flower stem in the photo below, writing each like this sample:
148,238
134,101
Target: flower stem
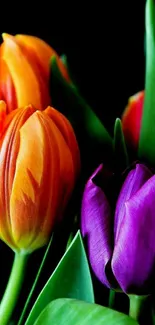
34,284
111,298
136,306
13,288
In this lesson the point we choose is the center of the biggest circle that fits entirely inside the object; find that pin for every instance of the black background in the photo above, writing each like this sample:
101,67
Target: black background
104,44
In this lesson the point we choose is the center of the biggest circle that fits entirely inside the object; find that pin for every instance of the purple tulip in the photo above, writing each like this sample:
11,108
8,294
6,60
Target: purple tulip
120,237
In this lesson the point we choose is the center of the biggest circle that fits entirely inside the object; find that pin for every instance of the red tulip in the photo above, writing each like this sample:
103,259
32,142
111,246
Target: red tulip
131,119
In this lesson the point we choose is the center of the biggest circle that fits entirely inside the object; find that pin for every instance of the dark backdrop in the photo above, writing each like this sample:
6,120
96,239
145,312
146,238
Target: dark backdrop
104,44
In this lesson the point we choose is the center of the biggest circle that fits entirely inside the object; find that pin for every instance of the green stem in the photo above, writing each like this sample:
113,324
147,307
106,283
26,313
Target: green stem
111,299
136,306
34,284
13,288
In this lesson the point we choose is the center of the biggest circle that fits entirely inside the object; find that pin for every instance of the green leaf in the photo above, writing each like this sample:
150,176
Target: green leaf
71,279
35,282
121,155
65,62
146,149
74,312
93,138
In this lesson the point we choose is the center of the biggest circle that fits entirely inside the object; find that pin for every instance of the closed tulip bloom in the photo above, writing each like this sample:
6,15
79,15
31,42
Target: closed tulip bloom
40,162
131,119
120,236
25,70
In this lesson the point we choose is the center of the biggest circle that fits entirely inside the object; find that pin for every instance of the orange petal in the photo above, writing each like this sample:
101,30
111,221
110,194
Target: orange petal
68,133
43,52
9,146
23,76
7,89
66,164
2,115
35,191
37,68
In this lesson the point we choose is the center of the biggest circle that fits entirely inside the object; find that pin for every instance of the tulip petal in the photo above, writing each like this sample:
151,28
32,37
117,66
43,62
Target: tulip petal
35,190
134,181
24,78
95,225
9,146
134,252
7,89
43,178
68,133
131,119
38,70
67,179
2,115
43,53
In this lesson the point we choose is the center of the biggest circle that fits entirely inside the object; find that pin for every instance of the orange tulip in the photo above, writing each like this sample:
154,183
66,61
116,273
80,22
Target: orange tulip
25,70
131,119
40,162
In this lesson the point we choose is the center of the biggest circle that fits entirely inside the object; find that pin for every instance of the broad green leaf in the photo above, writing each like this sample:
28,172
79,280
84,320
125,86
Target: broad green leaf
146,149
93,138
121,155
71,279
74,312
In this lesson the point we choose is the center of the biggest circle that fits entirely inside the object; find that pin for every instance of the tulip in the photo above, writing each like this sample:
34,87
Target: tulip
131,119
25,70
119,231
40,163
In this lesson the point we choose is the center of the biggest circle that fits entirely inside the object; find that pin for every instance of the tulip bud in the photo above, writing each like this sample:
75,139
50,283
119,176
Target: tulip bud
39,168
131,119
120,237
24,71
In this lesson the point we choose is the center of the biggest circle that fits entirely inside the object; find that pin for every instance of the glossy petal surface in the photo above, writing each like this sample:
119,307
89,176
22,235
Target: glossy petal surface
7,89
67,179
9,147
68,133
131,119
133,182
134,252
43,53
35,191
24,78
37,175
95,225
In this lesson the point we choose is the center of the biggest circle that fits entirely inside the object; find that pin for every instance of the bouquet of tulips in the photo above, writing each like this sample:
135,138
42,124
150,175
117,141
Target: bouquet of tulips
77,203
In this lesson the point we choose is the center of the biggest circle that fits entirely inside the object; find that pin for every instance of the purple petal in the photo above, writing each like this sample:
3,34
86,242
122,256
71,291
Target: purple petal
134,252
134,181
95,226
